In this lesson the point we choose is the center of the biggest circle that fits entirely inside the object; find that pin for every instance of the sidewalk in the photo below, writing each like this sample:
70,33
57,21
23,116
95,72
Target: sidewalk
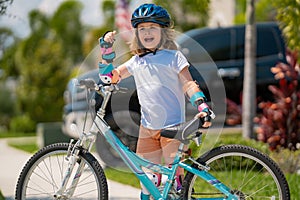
13,160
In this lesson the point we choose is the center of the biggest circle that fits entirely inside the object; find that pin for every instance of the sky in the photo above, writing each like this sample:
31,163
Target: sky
16,16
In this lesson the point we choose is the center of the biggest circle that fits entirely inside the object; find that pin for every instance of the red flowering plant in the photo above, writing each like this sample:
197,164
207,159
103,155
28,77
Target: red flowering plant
233,113
279,124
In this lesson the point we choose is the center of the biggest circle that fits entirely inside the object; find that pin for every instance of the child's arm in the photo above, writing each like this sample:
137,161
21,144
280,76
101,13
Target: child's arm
106,43
121,72
196,96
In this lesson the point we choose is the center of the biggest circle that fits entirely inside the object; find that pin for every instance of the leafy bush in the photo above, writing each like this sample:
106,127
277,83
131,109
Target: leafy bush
233,113
279,123
22,123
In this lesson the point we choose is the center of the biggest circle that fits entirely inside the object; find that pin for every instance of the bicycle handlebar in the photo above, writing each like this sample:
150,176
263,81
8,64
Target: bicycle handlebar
185,131
101,89
89,84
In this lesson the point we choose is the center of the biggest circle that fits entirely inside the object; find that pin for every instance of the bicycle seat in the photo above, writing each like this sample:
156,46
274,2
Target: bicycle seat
185,131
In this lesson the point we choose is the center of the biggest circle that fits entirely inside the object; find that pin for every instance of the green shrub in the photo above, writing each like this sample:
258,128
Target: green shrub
22,123
289,161
7,108
279,125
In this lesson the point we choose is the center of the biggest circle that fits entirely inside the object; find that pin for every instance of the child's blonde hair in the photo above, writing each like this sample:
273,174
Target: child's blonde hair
167,41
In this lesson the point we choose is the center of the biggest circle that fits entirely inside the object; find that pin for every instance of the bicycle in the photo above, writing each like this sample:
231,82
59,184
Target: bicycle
70,171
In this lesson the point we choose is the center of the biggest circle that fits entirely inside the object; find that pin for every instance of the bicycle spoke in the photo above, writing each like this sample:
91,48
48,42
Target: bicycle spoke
249,174
43,175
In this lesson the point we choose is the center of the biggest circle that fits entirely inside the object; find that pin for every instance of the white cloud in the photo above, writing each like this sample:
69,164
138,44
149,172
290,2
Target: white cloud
49,6
91,13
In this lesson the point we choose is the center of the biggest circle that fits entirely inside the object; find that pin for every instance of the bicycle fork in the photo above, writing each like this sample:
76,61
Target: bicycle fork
72,158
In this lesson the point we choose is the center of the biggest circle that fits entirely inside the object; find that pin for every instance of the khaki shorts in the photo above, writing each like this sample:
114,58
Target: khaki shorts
157,149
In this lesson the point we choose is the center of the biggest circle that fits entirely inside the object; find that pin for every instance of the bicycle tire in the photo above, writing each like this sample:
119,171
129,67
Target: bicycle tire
42,175
249,173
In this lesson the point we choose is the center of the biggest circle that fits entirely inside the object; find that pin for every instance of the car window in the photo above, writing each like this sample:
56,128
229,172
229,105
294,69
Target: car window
240,43
194,52
267,43
217,44
267,36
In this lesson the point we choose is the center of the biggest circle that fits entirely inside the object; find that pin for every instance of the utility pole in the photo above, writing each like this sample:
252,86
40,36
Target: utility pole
249,88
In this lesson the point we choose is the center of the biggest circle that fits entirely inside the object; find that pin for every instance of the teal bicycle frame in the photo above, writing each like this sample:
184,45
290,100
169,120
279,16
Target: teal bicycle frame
59,166
135,163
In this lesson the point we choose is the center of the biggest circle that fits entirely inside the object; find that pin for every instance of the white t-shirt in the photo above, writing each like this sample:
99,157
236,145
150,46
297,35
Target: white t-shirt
159,89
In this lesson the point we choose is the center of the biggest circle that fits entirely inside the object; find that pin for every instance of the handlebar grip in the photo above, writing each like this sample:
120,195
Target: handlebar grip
183,131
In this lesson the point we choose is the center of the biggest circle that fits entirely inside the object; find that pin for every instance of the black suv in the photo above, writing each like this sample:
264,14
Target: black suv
225,47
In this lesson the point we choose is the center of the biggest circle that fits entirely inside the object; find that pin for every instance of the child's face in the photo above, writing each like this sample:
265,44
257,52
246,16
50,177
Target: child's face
149,34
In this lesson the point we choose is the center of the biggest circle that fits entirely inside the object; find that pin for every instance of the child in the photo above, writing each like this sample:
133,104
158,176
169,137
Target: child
162,79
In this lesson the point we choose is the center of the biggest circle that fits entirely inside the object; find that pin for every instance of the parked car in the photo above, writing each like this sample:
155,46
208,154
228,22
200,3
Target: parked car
217,64
226,48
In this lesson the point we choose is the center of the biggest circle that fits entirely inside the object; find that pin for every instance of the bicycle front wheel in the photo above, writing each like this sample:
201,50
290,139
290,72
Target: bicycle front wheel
247,172
43,174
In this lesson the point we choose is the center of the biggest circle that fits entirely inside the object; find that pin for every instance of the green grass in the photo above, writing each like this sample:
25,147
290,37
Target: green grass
294,180
31,148
15,134
120,176
28,144
204,189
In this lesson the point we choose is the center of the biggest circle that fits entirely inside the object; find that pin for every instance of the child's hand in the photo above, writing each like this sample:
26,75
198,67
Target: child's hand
106,44
206,119
110,36
206,114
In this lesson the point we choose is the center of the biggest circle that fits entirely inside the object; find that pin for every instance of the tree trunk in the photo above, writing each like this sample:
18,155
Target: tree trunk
249,88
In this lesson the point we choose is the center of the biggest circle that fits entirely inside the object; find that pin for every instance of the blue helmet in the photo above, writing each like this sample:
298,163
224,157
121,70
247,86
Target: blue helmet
150,13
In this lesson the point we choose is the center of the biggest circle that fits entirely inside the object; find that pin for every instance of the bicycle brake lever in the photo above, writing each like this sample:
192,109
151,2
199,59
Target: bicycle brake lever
198,139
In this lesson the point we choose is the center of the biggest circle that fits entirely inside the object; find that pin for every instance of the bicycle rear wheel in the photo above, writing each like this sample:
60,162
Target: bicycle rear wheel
249,173
43,173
